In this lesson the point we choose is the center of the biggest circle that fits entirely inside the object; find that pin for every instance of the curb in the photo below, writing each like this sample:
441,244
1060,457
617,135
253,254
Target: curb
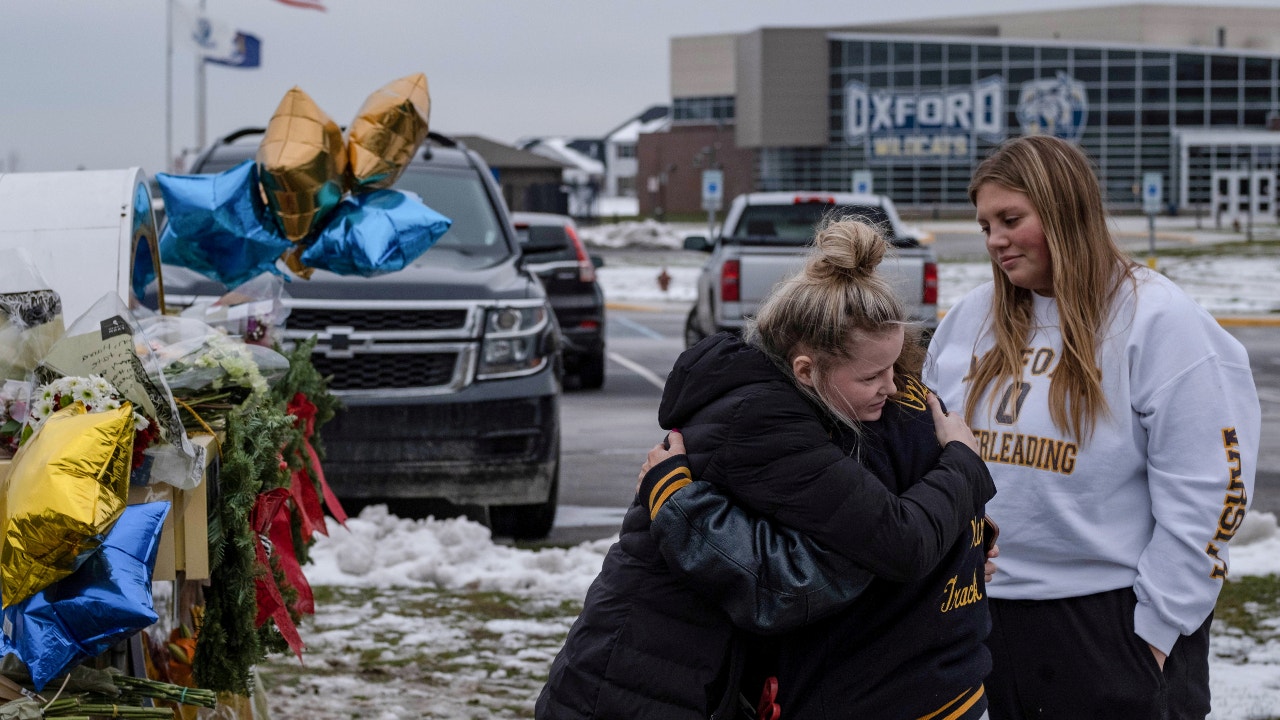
1249,321
634,307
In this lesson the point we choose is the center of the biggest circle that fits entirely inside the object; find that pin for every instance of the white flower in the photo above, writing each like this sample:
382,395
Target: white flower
41,409
87,394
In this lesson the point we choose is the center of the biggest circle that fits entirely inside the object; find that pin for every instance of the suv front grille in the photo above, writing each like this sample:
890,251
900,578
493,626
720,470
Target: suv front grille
311,318
388,371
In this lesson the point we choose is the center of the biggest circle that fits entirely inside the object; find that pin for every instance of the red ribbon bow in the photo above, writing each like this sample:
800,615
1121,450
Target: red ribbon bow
271,604
302,487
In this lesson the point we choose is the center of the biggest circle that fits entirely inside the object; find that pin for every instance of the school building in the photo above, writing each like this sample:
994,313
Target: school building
1180,100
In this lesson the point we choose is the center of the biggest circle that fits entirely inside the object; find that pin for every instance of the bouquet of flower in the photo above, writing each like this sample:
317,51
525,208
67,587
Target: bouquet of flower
97,395
210,373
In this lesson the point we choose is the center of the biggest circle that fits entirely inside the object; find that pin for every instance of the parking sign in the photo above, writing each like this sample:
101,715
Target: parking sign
712,190
862,182
1152,192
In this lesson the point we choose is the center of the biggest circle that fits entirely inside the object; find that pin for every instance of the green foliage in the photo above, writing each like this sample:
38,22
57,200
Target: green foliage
230,644
258,437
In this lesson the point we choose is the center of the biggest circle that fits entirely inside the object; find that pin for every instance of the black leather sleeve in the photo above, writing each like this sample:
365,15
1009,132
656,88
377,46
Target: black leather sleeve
767,577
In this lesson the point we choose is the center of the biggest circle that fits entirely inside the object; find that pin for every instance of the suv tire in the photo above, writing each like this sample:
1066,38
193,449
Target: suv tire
591,371
528,522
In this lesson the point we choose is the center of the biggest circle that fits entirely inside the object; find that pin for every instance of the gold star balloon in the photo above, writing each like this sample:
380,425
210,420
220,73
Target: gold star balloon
387,130
302,161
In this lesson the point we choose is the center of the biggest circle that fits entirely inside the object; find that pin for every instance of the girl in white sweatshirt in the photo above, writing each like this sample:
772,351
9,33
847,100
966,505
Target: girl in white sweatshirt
1121,426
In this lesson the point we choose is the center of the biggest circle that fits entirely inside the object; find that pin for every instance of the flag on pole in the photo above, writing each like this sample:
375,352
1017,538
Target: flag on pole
214,40
246,53
308,4
203,34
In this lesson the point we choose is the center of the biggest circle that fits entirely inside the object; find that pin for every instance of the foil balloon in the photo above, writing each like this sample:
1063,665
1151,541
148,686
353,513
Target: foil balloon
387,131
67,486
219,226
105,601
302,161
375,233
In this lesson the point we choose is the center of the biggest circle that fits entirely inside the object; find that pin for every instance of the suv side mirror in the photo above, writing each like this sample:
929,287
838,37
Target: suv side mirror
597,261
697,243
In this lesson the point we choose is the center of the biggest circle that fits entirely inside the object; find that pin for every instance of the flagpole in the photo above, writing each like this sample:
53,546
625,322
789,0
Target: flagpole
168,86
200,95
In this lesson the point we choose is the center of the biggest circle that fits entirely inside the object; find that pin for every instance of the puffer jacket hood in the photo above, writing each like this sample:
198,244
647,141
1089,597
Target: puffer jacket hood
718,365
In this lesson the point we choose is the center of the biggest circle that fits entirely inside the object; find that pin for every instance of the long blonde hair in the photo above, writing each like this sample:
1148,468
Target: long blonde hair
1087,270
823,310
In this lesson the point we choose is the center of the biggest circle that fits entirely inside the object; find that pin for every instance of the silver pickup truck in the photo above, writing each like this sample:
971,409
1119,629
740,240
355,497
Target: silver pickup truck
764,238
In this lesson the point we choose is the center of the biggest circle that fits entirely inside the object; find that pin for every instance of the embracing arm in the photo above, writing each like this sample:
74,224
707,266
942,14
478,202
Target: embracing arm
840,504
767,577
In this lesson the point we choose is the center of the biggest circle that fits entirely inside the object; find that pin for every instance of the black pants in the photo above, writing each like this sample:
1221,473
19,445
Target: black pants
1079,658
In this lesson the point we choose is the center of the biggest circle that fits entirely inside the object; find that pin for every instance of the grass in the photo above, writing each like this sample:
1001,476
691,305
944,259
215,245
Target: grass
1251,604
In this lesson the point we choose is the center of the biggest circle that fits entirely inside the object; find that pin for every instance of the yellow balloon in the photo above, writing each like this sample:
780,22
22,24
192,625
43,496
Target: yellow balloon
67,486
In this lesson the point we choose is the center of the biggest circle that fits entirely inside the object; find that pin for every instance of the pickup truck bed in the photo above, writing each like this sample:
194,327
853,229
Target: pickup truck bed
765,238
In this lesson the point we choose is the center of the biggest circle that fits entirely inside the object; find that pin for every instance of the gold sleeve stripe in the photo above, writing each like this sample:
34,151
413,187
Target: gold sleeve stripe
657,487
958,705
663,489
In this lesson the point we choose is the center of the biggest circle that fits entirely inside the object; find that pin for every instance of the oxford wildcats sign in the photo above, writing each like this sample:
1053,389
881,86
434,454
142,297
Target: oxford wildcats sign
945,124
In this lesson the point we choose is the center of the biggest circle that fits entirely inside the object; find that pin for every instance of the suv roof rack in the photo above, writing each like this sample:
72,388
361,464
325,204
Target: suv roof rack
438,138
227,140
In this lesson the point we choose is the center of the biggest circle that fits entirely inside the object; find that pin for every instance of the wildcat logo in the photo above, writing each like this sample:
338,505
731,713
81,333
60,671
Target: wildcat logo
1057,106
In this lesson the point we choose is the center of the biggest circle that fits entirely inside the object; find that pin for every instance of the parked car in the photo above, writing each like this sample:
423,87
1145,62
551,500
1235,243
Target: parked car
449,369
764,238
553,250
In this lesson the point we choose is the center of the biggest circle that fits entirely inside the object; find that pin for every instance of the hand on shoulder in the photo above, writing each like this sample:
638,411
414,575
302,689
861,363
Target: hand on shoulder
950,426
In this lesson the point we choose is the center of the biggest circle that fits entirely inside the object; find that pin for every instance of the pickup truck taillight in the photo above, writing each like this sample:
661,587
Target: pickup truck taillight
586,271
930,283
730,274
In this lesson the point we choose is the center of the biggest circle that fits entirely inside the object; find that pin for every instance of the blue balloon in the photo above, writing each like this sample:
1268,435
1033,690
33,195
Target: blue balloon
375,233
103,602
218,225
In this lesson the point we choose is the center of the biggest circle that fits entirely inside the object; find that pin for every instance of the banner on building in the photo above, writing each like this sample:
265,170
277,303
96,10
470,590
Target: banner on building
945,124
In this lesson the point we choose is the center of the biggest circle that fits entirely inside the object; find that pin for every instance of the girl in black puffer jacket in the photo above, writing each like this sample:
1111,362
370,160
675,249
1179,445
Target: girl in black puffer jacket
766,422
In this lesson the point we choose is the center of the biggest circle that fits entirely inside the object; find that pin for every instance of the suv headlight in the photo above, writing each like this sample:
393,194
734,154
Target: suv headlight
514,341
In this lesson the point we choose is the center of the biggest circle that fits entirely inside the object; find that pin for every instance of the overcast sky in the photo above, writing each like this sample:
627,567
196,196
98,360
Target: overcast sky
82,82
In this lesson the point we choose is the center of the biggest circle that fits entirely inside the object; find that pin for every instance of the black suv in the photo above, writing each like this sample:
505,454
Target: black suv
553,250
449,369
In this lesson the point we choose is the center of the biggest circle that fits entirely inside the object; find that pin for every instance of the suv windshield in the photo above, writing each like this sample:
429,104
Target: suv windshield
459,196
794,224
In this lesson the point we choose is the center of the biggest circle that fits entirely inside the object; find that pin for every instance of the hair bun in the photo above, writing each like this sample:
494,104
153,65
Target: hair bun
848,248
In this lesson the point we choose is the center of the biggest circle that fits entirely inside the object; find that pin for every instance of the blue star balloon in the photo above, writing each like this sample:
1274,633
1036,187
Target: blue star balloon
375,233
218,225
103,602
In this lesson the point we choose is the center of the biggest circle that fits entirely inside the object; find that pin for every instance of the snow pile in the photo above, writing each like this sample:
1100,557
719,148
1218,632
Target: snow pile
632,234
378,549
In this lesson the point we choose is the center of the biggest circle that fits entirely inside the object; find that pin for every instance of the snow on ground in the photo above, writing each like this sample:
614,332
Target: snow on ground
432,619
